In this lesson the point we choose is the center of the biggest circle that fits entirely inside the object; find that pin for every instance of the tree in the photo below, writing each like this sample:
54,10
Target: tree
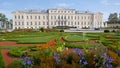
113,18
4,20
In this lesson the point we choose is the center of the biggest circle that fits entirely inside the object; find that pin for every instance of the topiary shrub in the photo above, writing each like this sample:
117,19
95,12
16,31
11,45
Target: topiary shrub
61,30
106,31
42,29
113,31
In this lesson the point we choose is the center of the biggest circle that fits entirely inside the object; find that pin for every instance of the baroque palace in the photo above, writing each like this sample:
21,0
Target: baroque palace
56,17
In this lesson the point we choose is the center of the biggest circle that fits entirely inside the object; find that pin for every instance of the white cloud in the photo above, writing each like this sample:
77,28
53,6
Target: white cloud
64,4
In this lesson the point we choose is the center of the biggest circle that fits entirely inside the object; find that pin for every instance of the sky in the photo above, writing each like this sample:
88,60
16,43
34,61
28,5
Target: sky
104,6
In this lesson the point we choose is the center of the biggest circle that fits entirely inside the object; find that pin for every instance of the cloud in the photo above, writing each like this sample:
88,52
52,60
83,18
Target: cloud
64,4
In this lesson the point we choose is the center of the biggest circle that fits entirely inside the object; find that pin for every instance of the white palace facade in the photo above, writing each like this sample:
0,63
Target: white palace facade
56,17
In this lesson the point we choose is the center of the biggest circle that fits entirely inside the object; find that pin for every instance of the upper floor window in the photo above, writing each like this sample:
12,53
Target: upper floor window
54,17
82,17
75,17
39,17
68,17
19,17
85,17
51,23
22,23
31,23
15,23
43,17
22,17
55,23
61,17
31,17
64,17
58,17
43,23
78,23
19,23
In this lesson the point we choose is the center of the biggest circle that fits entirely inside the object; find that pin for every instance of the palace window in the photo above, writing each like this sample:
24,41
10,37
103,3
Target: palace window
19,17
78,23
22,17
31,23
43,23
31,17
15,23
19,23
43,17
39,17
64,17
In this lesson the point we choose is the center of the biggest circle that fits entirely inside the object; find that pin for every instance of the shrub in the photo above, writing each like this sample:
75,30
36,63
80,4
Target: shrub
42,29
106,31
62,30
97,28
1,61
18,51
113,31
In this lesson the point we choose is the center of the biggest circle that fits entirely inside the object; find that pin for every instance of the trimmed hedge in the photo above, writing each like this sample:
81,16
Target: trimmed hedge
106,31
18,51
1,61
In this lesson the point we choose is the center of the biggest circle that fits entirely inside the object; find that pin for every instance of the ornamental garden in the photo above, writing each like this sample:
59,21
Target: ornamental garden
58,49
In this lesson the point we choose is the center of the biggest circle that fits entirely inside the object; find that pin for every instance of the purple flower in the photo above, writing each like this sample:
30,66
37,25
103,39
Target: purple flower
28,61
78,51
23,57
85,63
57,58
109,60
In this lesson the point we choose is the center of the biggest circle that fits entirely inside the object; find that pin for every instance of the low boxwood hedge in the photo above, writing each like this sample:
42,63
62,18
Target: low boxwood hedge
1,61
18,51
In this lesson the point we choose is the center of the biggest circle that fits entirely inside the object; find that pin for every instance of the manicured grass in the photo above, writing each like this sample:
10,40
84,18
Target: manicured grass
73,38
43,39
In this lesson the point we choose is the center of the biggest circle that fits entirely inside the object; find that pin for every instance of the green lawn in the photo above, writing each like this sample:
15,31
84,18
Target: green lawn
73,38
